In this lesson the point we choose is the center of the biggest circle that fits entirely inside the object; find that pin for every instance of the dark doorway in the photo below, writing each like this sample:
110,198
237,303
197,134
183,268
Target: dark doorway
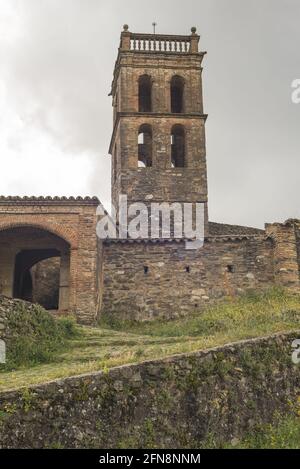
37,280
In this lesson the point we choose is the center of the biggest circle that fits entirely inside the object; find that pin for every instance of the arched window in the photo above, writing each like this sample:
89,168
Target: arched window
145,90
177,94
178,146
145,146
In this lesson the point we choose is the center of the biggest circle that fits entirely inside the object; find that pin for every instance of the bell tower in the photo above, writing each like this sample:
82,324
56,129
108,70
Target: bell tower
158,140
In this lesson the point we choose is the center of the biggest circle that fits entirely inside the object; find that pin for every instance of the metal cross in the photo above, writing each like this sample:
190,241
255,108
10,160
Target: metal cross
154,26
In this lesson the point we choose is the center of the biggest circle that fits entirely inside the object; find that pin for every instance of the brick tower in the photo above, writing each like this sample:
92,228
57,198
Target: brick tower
158,141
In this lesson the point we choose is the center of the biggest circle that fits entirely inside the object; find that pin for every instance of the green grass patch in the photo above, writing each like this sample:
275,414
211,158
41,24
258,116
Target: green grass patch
118,343
35,337
248,315
283,433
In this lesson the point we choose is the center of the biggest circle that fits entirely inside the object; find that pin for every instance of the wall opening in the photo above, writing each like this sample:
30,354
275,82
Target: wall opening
178,146
145,146
37,276
177,94
35,266
145,94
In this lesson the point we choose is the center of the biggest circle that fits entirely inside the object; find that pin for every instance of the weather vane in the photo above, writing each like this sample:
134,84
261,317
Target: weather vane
154,26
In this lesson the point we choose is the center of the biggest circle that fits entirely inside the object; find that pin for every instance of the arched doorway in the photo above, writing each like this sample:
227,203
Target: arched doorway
35,266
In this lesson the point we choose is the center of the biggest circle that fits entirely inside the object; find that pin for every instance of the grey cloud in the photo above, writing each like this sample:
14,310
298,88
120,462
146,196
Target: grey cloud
58,76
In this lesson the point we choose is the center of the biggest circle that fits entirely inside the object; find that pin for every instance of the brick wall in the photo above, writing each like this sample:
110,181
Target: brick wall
73,222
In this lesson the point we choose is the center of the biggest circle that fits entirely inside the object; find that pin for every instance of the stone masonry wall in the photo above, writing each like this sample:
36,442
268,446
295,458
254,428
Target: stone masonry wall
177,402
285,237
3,318
297,233
45,280
143,281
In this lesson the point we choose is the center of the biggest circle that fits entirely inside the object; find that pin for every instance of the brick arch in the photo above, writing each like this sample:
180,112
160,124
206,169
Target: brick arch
66,233
177,75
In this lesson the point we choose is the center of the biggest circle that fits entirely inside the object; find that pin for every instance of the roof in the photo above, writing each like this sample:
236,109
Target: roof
47,200
223,229
217,232
182,240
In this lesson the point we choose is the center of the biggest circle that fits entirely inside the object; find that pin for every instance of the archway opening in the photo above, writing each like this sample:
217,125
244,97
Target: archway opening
145,94
177,94
26,287
178,146
37,277
35,267
145,146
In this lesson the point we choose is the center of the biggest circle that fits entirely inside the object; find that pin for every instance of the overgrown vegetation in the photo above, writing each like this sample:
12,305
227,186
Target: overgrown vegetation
283,433
35,337
117,343
250,315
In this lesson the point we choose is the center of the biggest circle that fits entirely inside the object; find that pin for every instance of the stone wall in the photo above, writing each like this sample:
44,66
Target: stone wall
285,237
45,280
3,329
177,402
146,280
297,233
3,317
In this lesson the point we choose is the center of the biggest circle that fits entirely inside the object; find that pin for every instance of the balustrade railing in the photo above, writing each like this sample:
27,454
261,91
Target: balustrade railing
160,43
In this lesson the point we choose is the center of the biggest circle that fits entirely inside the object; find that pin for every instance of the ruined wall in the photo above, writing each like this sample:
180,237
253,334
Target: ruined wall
285,238
297,233
147,280
177,402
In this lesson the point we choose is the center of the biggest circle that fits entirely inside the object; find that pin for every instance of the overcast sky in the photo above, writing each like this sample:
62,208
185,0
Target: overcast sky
56,63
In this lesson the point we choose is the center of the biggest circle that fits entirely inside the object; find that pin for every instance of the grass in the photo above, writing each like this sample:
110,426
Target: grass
250,315
34,335
284,433
113,344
